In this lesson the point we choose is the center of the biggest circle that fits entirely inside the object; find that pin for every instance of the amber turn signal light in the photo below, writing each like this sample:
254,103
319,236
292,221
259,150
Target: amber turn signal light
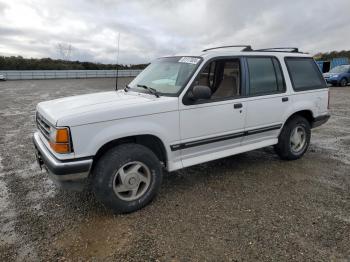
60,141
60,148
62,135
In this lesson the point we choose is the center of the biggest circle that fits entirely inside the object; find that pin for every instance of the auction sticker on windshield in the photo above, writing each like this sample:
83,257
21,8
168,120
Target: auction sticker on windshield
189,60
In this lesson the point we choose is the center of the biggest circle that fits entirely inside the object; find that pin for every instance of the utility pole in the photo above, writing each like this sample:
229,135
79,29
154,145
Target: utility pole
116,82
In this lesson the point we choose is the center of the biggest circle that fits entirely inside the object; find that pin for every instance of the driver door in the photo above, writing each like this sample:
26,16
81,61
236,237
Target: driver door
213,128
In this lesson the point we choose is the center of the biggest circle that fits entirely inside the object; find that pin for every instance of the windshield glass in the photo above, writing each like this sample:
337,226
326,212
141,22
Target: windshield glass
340,69
166,75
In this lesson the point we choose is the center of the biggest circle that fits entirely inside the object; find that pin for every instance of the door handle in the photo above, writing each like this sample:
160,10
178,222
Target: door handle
236,106
284,99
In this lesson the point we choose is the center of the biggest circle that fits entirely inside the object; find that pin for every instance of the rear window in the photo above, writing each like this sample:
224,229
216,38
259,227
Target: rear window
304,74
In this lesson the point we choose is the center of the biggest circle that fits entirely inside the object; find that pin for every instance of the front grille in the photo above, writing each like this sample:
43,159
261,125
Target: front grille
43,125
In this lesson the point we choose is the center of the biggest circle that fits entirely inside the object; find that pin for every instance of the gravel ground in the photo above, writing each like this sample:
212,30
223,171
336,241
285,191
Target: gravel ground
248,207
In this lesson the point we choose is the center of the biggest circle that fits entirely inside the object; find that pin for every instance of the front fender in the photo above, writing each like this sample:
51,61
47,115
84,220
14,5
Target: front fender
88,139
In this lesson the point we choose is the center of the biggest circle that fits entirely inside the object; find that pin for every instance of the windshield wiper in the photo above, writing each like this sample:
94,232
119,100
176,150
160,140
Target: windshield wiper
126,88
150,89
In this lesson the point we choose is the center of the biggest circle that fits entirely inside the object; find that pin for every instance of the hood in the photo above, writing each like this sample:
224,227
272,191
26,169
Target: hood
103,106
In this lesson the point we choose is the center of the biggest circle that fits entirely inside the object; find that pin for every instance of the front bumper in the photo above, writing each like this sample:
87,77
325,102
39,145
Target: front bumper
333,81
63,172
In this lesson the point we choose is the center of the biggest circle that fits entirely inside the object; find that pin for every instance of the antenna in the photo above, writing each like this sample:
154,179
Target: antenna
116,80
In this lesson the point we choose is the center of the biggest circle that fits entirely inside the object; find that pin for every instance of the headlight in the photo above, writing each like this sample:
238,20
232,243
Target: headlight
58,137
60,140
332,76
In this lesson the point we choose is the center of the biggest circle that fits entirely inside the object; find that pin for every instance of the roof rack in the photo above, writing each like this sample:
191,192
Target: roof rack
279,49
246,47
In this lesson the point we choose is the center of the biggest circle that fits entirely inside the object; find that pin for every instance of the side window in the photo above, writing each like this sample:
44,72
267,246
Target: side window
206,77
280,80
223,77
304,74
265,76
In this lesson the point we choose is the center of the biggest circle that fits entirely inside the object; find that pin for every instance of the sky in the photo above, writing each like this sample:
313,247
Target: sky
155,28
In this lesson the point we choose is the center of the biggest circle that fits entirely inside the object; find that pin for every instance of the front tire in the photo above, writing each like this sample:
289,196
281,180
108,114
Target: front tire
343,82
126,178
294,139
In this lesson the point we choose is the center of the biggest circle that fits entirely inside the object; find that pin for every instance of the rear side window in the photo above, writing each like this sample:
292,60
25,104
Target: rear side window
304,74
265,76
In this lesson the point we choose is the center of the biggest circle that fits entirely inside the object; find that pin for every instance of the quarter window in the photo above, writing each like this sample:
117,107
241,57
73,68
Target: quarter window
304,74
265,76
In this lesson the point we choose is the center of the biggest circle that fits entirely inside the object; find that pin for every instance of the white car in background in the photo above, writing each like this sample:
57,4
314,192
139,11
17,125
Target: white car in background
179,112
2,78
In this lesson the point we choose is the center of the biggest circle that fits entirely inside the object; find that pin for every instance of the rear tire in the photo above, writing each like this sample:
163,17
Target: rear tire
294,139
127,177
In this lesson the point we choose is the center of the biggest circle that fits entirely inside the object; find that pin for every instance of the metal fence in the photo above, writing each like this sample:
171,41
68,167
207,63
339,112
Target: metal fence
64,74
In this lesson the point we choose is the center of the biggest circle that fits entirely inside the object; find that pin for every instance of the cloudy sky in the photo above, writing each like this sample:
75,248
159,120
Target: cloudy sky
153,28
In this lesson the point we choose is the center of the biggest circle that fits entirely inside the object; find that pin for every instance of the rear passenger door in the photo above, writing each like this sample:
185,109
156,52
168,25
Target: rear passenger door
267,100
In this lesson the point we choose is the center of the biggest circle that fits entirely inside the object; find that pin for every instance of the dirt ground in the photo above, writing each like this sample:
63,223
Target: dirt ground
249,207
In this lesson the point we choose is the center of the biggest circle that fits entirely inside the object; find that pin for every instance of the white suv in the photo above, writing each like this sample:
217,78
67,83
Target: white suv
181,111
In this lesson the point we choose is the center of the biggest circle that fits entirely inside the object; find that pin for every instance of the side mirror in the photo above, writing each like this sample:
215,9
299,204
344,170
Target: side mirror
201,92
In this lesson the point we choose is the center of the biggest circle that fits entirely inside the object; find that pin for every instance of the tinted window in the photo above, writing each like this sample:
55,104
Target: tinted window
265,76
340,69
280,79
304,74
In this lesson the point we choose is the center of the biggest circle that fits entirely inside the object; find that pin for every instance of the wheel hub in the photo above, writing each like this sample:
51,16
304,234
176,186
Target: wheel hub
298,139
131,181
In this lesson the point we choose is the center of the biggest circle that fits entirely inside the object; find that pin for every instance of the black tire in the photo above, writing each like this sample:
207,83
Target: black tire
104,174
343,82
284,147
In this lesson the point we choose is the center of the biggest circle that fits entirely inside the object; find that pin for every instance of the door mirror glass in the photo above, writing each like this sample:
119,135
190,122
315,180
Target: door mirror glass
201,92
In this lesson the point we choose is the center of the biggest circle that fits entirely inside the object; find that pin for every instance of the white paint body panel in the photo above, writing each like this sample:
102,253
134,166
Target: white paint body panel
96,119
207,121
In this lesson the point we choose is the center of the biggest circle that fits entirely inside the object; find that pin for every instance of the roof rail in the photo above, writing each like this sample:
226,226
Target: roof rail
279,49
246,47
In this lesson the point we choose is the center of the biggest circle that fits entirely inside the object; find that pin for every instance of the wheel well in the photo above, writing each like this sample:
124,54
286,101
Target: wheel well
150,141
307,114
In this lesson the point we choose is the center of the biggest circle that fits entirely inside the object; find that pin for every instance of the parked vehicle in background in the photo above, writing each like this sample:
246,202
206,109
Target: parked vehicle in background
2,78
179,112
325,66
338,76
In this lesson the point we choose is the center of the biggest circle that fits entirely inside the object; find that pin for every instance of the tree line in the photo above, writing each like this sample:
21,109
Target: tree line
330,55
20,63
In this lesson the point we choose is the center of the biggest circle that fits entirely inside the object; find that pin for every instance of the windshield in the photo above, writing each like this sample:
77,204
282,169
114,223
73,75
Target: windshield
340,69
166,75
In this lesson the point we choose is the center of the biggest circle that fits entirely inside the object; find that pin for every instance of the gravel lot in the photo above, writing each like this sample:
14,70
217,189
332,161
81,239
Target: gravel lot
247,207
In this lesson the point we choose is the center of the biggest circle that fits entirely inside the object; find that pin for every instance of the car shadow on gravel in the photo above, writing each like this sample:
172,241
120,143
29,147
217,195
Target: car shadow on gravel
174,182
